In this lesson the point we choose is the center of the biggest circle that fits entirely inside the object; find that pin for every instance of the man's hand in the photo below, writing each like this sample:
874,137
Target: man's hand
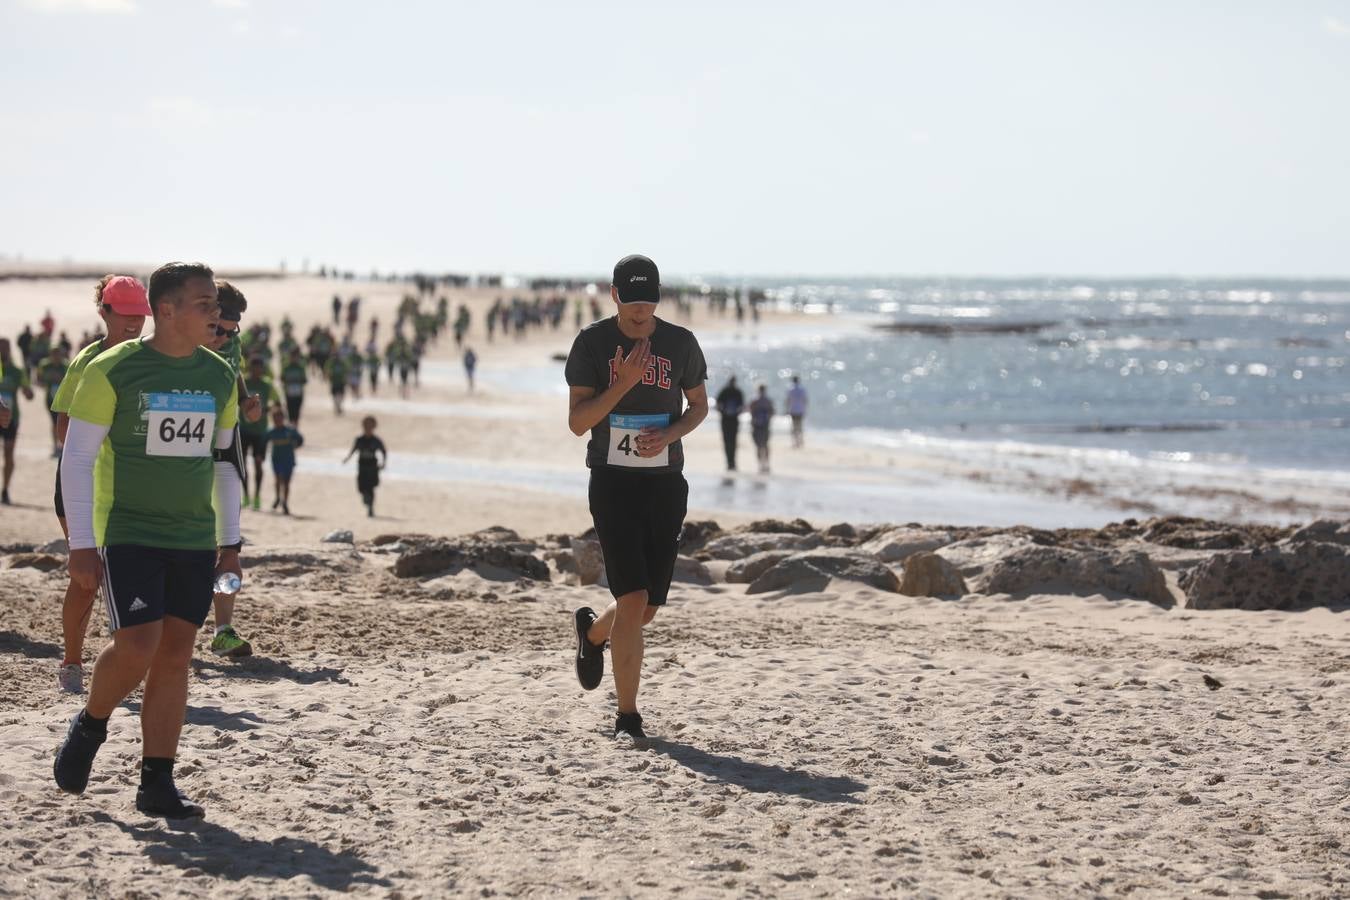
651,441
84,568
633,366
228,561
251,407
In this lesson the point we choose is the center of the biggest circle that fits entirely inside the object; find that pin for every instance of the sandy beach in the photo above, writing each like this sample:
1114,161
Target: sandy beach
1071,720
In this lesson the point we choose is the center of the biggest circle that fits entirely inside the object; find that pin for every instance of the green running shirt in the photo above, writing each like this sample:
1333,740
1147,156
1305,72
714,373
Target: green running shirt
66,393
154,475
13,380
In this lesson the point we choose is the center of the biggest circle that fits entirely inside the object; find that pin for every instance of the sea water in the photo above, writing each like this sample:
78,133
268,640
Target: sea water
1234,372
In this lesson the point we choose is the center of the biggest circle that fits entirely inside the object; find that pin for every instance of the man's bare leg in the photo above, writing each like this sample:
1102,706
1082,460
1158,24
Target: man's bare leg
166,689
622,624
122,666
76,609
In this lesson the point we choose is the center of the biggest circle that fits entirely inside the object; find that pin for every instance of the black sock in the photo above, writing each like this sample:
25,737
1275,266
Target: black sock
92,725
154,766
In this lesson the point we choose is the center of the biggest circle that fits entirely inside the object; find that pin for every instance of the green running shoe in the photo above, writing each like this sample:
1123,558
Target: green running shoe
257,503
228,643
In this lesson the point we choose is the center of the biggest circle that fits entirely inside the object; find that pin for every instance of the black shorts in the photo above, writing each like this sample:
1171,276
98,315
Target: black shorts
58,499
367,478
253,443
10,431
145,584
638,517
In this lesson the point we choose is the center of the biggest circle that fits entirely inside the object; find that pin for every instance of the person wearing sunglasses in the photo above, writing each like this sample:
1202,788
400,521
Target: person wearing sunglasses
123,306
227,343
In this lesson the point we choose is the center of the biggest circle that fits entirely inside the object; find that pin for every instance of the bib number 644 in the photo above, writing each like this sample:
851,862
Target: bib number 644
180,425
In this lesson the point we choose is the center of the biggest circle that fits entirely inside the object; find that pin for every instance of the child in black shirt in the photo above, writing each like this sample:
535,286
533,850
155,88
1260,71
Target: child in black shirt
367,466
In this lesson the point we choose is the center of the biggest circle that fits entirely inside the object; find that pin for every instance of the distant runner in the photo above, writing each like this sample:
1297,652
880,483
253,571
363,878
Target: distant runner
284,440
367,465
796,408
636,383
13,381
761,417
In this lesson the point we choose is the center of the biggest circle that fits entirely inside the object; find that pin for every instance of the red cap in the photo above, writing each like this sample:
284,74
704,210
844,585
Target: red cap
126,296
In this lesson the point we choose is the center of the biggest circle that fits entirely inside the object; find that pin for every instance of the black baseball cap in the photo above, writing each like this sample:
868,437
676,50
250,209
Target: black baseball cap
637,280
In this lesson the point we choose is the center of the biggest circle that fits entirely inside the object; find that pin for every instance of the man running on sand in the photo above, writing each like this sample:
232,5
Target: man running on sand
122,305
636,383
142,521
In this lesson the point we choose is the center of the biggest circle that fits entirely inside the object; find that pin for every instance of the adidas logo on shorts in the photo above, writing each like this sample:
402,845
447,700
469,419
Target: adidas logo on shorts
136,605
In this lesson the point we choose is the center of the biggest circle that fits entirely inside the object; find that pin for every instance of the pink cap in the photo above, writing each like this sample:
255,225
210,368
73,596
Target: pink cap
126,296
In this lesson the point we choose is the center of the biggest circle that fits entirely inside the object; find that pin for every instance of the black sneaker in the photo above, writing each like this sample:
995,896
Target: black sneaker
630,725
75,757
160,797
4,497
590,658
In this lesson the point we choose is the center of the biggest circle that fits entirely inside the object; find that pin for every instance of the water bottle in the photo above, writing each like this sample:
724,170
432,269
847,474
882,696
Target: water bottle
228,583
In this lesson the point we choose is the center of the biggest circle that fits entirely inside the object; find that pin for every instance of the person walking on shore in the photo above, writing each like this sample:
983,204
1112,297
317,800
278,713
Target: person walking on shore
636,383
293,381
470,365
761,417
13,381
730,403
796,408
123,307
50,372
154,409
253,434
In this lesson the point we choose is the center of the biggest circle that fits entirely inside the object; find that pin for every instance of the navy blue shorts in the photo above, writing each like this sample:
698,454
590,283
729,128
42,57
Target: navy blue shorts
145,584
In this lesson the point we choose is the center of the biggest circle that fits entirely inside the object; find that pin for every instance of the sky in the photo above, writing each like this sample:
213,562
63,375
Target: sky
724,138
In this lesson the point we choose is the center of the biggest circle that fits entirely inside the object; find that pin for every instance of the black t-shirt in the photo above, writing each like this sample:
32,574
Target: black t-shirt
366,448
677,366
730,402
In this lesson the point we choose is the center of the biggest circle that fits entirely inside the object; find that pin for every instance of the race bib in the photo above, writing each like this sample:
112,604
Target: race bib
623,446
181,425
295,389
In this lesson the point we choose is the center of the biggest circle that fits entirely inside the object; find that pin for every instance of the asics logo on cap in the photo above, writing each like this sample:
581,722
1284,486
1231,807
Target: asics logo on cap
637,278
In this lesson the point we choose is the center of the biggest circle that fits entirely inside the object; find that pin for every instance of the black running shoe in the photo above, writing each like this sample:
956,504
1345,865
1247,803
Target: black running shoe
75,757
590,658
159,796
629,724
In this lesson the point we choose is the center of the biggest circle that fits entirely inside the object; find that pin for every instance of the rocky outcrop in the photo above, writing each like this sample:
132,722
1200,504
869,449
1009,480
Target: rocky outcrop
1328,531
588,560
1070,570
895,545
691,571
1290,575
43,562
812,571
442,555
743,544
928,575
744,571
696,534
975,555
779,526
